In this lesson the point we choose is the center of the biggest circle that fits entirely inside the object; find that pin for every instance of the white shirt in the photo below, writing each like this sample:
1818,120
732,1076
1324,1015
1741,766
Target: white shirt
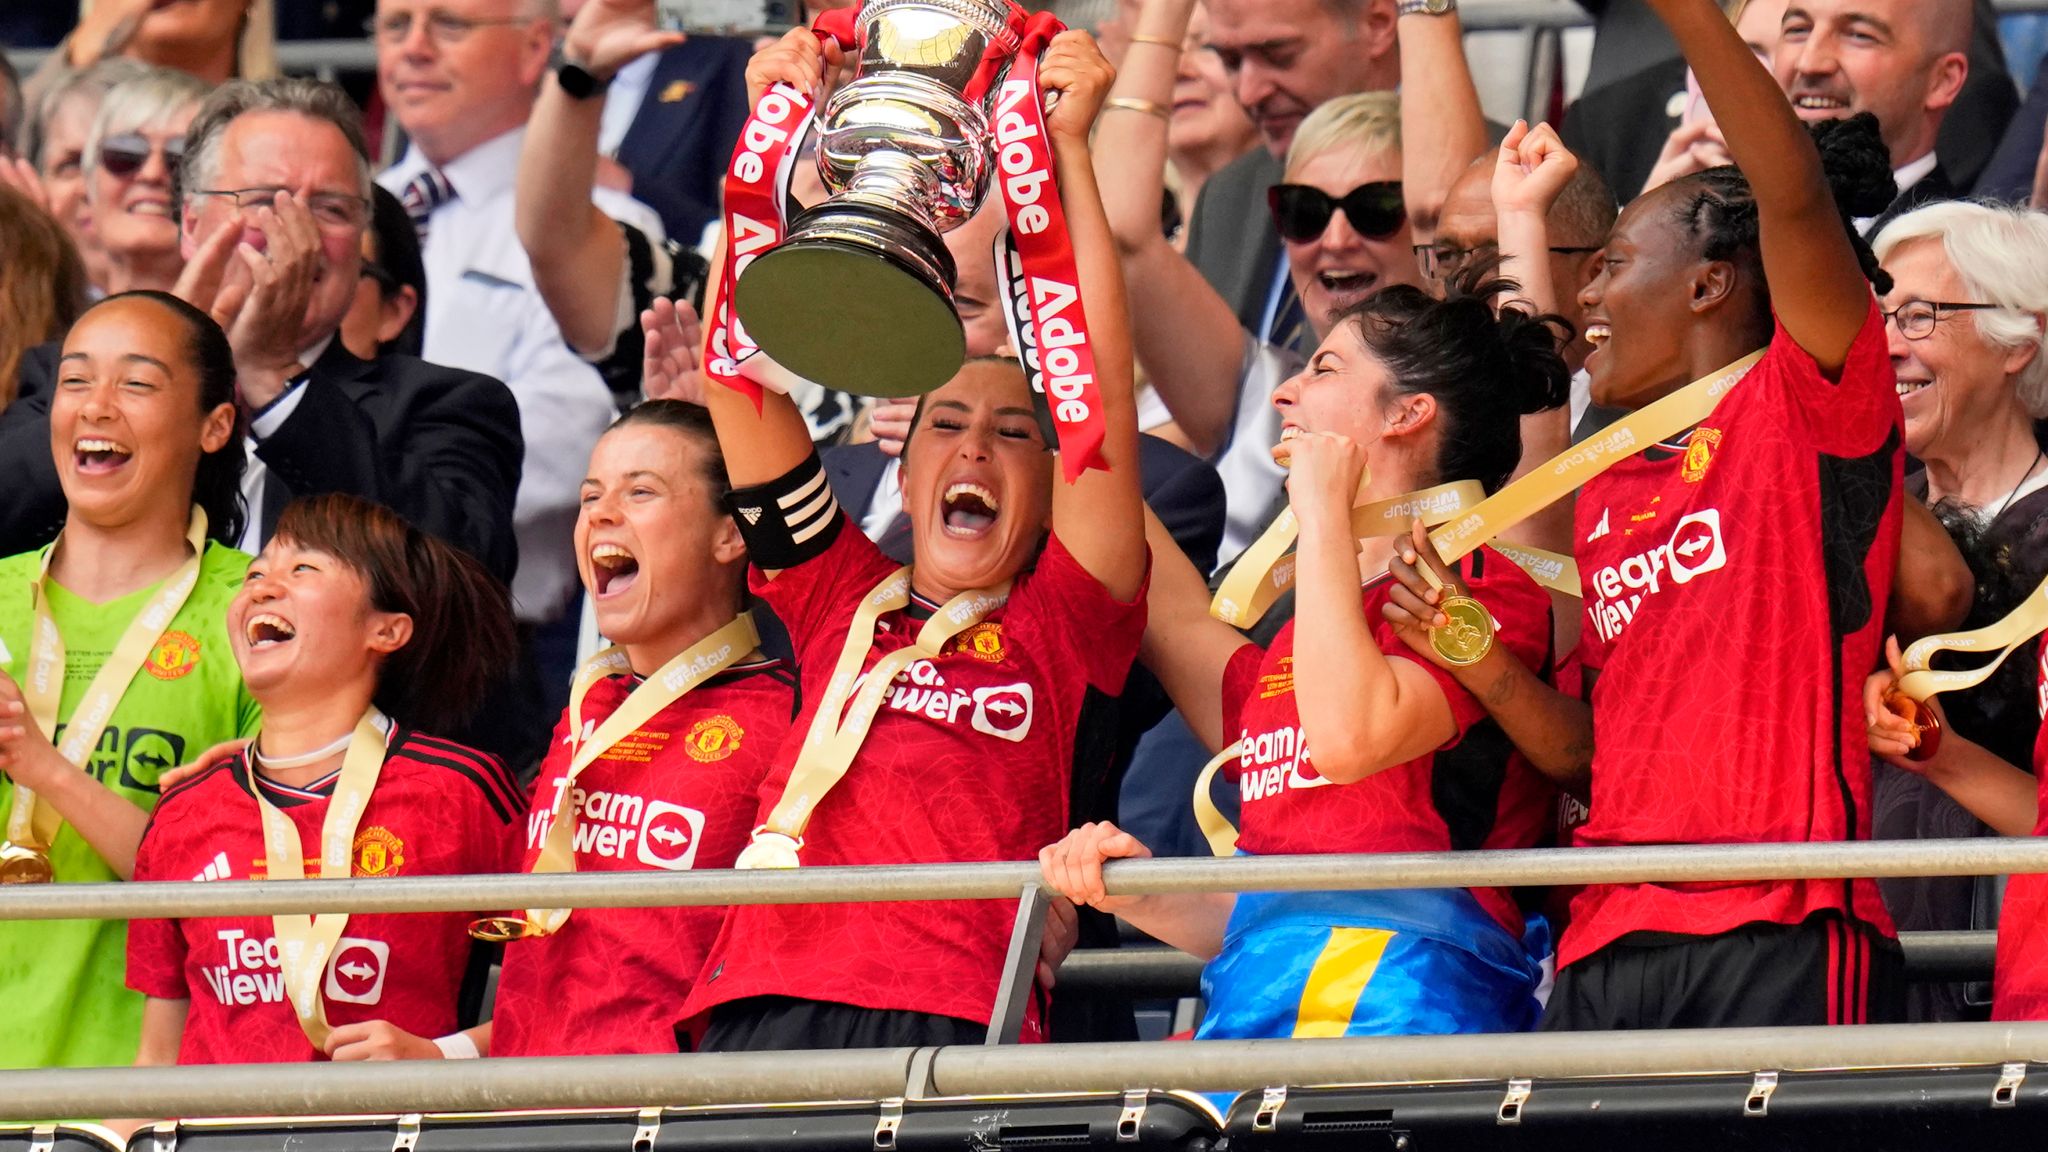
262,427
484,315
887,501
1252,482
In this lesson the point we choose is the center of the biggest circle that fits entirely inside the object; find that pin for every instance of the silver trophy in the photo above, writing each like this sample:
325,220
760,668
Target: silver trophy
859,296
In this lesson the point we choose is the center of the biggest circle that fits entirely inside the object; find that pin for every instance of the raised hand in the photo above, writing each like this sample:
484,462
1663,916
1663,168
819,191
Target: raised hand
799,60
1073,866
1690,148
889,420
20,175
1412,599
25,753
1074,68
670,368
1531,170
1324,473
258,292
1891,735
607,35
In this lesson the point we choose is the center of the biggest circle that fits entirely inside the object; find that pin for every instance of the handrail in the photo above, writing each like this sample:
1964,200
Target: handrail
993,881
780,1077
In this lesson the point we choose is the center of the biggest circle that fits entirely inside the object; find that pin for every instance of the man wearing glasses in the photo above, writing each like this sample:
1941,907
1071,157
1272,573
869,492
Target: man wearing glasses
276,182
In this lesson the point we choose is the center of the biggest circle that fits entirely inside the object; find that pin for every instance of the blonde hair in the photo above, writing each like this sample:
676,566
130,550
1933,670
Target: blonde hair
1367,121
256,41
156,97
2000,254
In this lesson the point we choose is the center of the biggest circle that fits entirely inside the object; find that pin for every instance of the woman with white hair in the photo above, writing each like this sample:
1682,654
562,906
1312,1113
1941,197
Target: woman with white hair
131,173
1965,323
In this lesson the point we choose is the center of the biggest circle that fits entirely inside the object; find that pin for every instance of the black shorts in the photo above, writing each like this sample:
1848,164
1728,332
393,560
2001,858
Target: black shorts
1827,970
787,1024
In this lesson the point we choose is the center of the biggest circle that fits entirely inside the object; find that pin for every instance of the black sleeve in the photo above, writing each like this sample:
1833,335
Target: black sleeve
31,498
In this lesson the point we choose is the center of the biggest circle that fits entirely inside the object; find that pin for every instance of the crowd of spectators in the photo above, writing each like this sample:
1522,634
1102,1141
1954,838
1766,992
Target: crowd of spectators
325,464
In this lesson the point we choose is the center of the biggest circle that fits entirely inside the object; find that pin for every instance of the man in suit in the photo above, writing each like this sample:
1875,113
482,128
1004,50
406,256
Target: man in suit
670,120
1284,57
440,446
1620,128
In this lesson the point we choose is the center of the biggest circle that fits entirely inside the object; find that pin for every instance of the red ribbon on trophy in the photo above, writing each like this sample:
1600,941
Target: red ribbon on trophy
1041,286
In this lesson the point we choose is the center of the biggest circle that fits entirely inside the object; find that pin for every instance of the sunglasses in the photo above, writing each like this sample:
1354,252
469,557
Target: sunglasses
124,155
1301,212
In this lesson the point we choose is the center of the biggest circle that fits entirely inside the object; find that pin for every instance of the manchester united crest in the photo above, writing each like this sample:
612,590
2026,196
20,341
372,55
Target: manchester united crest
175,655
984,641
378,852
1699,453
713,739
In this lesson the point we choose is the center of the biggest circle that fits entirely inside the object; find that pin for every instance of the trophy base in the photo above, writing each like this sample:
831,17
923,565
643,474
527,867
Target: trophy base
858,299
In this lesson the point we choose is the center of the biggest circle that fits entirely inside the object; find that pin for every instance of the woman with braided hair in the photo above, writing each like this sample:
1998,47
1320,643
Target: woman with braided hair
1735,575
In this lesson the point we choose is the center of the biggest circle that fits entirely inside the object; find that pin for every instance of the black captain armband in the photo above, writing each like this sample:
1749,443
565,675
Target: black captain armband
788,520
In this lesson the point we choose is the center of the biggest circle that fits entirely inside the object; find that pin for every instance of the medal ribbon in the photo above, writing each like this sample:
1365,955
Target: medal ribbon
673,681
33,826
840,726
1266,570
1577,465
305,944
1216,827
1041,284
2023,623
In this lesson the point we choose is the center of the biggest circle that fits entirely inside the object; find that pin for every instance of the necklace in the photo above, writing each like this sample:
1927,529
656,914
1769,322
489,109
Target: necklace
287,763
2038,454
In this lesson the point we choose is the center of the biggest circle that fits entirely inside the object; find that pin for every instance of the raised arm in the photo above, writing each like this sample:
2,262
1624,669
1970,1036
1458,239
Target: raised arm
577,252
1184,647
1822,296
1361,711
1442,128
1099,516
1186,335
767,443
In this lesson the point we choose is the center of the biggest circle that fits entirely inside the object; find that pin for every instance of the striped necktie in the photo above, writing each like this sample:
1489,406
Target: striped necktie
1290,321
424,193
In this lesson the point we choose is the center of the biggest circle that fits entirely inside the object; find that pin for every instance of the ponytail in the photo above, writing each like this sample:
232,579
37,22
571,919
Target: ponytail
462,637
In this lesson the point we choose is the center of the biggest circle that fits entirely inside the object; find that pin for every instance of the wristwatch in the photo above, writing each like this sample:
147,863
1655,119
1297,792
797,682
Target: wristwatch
576,80
1425,7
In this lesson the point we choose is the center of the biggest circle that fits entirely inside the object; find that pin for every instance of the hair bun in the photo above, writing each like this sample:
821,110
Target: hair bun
1857,164
1539,380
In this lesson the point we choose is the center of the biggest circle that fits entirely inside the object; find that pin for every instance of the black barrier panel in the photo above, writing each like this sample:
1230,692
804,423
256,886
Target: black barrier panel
56,1138
1138,1122
1946,1110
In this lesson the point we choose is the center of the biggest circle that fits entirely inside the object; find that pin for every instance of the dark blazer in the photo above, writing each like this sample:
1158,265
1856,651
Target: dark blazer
438,445
1184,492
1231,238
1619,124
1929,189
681,140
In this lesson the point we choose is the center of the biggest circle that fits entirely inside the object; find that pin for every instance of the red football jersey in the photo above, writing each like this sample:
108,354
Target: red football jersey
1735,590
439,809
1467,794
2019,986
968,759
677,793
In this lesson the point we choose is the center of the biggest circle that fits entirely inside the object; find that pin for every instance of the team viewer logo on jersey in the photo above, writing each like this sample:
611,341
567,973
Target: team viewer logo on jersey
1694,549
175,655
1004,713
713,739
1699,454
1272,762
356,975
670,839
378,852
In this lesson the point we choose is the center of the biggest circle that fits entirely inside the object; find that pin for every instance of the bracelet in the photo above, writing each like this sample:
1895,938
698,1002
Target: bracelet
1163,42
457,1046
1133,104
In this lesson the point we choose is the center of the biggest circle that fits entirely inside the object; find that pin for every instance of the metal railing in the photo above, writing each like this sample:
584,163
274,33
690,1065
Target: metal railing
1003,881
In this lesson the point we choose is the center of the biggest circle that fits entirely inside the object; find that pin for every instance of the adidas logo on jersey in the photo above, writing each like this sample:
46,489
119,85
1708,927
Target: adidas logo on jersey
1694,549
1599,529
1273,762
622,826
216,869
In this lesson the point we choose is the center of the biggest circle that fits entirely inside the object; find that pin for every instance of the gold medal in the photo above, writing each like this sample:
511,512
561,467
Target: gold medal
769,850
1923,719
1468,637
19,865
505,929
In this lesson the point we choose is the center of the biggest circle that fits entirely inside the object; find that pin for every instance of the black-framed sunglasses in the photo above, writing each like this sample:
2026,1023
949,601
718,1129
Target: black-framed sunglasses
1916,318
125,154
1301,212
1442,261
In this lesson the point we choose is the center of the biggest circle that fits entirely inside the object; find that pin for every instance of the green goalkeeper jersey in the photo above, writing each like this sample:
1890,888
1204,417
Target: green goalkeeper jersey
63,992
